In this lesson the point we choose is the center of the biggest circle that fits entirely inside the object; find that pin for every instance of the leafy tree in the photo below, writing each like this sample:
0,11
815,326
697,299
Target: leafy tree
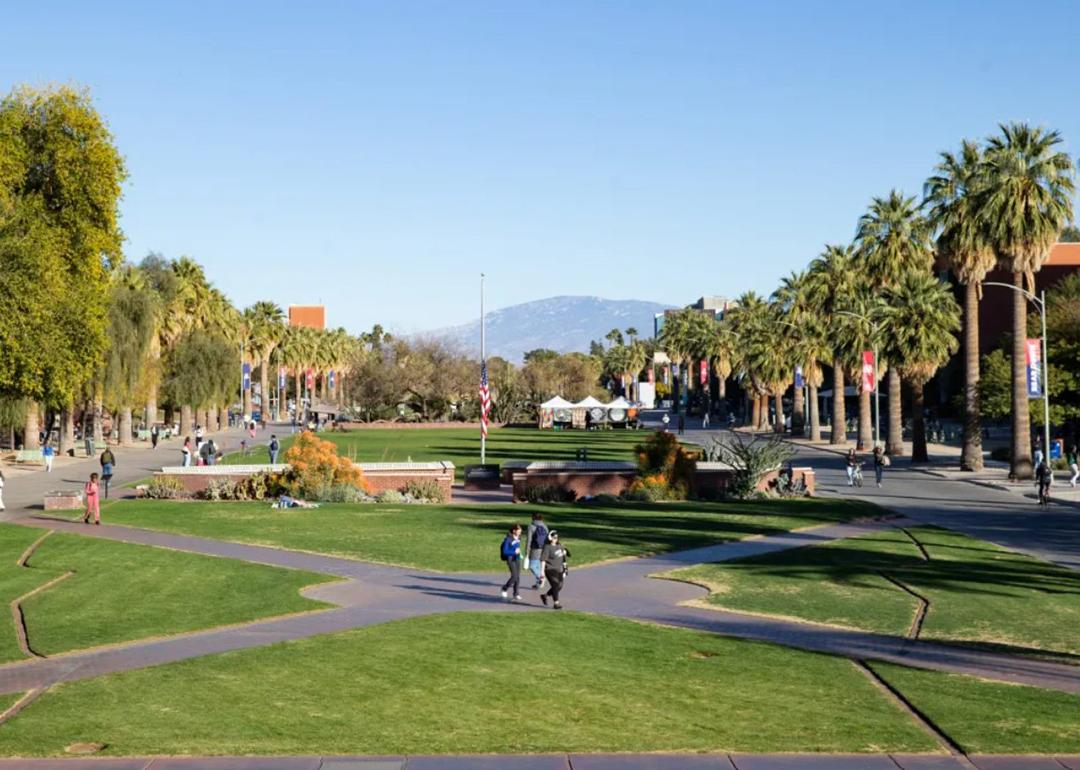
132,325
1070,234
831,282
199,372
1025,200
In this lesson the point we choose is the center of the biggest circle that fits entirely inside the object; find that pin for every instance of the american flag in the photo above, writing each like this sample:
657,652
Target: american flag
485,399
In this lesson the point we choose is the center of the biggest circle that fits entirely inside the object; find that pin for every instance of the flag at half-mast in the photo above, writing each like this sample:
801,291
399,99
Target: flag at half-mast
485,399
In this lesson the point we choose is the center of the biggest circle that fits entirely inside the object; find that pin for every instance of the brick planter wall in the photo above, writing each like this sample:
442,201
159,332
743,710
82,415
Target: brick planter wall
711,480
63,501
584,478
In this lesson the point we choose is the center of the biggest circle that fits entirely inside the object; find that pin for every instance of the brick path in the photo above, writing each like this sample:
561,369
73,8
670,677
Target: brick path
568,762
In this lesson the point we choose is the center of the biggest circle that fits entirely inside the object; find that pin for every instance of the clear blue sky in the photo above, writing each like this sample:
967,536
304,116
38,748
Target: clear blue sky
377,156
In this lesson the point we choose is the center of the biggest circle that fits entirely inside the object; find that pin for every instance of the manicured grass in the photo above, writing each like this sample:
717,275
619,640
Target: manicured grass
991,717
120,592
462,445
531,682
978,592
466,537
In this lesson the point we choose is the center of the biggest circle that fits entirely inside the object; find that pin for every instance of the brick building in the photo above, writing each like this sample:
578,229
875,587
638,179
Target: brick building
313,316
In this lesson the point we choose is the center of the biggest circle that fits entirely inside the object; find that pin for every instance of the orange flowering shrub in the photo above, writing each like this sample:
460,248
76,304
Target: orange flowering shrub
666,466
315,467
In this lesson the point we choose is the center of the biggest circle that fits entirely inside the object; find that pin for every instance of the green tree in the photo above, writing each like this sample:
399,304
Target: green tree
60,183
199,373
952,195
267,327
831,283
132,326
1025,201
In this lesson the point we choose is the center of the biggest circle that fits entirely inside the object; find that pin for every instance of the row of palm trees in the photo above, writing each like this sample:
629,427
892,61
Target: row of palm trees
1001,203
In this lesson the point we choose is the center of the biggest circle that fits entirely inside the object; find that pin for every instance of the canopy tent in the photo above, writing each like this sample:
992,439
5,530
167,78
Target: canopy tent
557,403
620,403
588,403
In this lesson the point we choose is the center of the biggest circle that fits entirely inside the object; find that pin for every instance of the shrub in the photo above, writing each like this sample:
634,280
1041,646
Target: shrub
666,466
549,493
750,459
315,466
164,488
345,493
425,491
391,496
218,488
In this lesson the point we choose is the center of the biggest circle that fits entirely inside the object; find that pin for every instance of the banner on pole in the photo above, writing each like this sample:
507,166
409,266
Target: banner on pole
310,379
332,379
869,378
704,372
1034,367
652,375
281,377
799,382
245,375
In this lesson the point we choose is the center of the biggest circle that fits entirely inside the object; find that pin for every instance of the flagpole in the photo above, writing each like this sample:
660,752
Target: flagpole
483,358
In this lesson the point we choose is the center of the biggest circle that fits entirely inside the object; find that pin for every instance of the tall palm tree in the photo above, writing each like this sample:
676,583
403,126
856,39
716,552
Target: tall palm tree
681,337
952,199
831,282
1025,200
718,348
266,324
923,319
893,237
859,326
750,324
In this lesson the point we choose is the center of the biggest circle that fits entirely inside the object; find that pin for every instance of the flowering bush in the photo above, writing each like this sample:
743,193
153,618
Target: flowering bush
667,468
316,467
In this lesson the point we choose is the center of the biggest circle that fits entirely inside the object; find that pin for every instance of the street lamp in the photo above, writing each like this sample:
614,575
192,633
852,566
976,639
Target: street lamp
877,367
1040,302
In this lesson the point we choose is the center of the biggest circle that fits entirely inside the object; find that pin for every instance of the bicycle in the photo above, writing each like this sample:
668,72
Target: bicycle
1044,494
856,475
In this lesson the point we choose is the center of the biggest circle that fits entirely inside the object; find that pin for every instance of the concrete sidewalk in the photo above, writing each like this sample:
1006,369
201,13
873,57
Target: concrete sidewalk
569,762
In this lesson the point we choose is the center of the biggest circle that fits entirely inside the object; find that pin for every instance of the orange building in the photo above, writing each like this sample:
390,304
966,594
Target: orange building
312,316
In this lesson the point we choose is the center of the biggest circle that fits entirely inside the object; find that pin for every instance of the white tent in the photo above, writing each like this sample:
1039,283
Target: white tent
557,403
620,403
588,403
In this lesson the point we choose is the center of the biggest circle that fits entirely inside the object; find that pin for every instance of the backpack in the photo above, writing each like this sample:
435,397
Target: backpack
539,537
504,552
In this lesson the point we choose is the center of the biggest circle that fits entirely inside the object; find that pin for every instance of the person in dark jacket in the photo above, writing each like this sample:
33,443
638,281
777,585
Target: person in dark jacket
536,538
554,557
511,554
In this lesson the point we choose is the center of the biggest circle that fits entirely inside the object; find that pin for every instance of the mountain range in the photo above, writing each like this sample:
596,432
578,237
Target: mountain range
564,324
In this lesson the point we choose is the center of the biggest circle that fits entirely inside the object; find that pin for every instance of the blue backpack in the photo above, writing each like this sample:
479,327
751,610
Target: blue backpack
539,538
506,550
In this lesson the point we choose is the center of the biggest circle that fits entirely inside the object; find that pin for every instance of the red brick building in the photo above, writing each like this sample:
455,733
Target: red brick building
313,316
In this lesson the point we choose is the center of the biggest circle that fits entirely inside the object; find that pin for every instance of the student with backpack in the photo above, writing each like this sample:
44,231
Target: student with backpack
510,552
554,557
537,539
273,448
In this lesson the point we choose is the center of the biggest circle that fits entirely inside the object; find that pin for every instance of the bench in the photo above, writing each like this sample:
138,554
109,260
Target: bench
29,456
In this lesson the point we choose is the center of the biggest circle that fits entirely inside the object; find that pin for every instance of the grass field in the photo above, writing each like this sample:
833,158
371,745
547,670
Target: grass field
465,537
462,445
534,682
978,592
120,592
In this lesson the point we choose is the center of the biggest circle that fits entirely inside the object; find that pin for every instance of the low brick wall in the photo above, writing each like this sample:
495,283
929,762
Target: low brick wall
584,478
66,500
195,478
712,480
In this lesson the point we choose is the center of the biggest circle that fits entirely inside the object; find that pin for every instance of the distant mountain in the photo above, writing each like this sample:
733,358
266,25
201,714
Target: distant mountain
564,324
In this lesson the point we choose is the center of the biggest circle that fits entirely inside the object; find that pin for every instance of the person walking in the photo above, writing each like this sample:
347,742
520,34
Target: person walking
273,447
155,435
881,462
1037,451
510,551
705,420
554,557
108,461
199,434
93,505
536,537
852,465
186,451
47,454
1071,458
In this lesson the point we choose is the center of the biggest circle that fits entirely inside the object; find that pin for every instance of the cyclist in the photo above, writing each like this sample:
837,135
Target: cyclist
1043,478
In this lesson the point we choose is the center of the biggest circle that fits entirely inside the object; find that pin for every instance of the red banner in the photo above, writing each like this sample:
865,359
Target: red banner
704,372
869,378
310,379
652,375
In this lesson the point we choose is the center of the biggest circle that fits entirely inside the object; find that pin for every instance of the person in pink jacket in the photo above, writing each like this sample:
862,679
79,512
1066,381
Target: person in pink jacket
92,503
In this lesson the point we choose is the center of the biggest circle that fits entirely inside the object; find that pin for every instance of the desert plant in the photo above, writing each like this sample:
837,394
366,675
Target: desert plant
219,488
652,488
164,488
663,461
549,493
391,496
425,491
750,458
345,493
315,465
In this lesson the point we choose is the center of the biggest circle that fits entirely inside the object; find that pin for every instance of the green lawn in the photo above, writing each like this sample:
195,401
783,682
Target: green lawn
466,537
120,592
991,717
978,592
529,682
462,445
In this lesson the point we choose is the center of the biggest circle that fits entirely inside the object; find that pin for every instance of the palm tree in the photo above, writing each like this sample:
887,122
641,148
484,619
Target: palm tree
681,338
718,348
952,197
1025,200
831,283
266,324
750,325
923,318
893,237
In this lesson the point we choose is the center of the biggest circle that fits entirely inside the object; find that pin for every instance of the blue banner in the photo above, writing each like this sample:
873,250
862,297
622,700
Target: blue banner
332,380
245,373
1034,367
798,377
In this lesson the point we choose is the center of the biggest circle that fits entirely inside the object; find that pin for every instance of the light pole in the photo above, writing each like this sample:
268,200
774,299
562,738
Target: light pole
874,327
1040,302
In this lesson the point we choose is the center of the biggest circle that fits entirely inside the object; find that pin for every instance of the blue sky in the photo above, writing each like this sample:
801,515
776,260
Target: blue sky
377,156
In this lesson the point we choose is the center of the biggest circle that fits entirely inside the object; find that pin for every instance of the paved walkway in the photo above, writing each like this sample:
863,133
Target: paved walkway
568,762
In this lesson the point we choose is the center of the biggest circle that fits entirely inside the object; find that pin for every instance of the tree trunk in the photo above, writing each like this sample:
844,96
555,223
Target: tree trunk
866,420
838,435
815,418
721,392
99,423
170,416
151,409
971,459
1021,420
125,426
764,411
299,401
264,389
778,406
67,429
894,444
31,428
185,421
247,402
282,398
755,412
212,419
918,423
798,412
